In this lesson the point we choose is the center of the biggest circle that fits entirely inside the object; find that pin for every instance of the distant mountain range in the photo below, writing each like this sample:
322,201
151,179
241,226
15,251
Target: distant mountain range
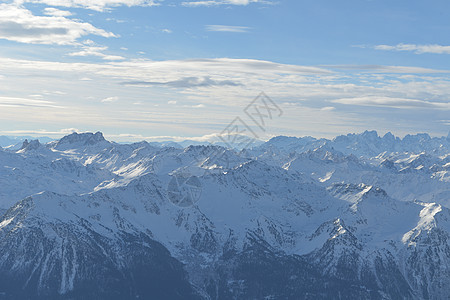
356,217
16,141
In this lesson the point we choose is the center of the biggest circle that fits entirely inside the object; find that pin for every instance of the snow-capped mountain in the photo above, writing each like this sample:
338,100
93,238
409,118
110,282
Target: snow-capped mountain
13,142
356,217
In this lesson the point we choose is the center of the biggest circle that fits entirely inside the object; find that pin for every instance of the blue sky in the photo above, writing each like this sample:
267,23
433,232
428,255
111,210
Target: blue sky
138,69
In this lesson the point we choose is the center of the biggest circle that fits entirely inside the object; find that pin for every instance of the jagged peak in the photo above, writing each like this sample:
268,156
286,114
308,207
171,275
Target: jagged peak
30,145
24,144
87,138
387,163
370,134
389,136
253,164
203,148
418,136
325,152
342,187
283,138
362,189
374,191
366,133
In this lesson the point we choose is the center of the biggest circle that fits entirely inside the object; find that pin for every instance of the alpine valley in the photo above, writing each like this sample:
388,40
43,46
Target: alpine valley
356,217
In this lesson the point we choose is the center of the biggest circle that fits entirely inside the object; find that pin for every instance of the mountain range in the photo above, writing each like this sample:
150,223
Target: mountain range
356,217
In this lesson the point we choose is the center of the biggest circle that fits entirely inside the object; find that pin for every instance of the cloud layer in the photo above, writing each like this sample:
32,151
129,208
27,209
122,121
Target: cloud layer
418,49
20,25
222,2
23,102
98,5
121,91
200,96
401,103
227,28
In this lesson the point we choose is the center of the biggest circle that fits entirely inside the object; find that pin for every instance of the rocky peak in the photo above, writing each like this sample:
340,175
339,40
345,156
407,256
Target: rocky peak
30,145
88,138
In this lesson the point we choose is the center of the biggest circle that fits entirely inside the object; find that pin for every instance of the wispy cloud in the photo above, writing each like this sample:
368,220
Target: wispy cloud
54,12
98,5
20,25
386,69
418,49
41,132
170,70
223,2
110,99
328,108
23,102
130,137
227,28
220,88
394,102
91,49
186,82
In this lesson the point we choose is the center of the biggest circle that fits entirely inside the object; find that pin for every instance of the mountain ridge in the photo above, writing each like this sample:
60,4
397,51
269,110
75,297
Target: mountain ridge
291,218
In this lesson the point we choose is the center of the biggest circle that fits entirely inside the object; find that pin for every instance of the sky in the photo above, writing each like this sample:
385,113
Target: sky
172,70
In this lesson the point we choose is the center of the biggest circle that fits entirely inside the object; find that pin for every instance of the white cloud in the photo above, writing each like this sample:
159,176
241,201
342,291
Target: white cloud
386,69
54,12
328,108
130,137
88,50
20,25
110,57
98,5
165,30
171,70
89,43
195,106
224,86
41,132
418,49
110,99
394,102
227,28
118,21
24,102
223,2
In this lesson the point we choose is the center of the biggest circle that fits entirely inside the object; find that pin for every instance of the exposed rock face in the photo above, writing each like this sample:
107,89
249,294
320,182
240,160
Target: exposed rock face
290,219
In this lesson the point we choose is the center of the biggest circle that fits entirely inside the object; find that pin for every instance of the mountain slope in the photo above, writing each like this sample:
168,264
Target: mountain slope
93,217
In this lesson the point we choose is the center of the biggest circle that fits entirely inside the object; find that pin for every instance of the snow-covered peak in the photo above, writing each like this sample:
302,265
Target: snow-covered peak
29,145
359,206
79,139
356,193
288,144
366,145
